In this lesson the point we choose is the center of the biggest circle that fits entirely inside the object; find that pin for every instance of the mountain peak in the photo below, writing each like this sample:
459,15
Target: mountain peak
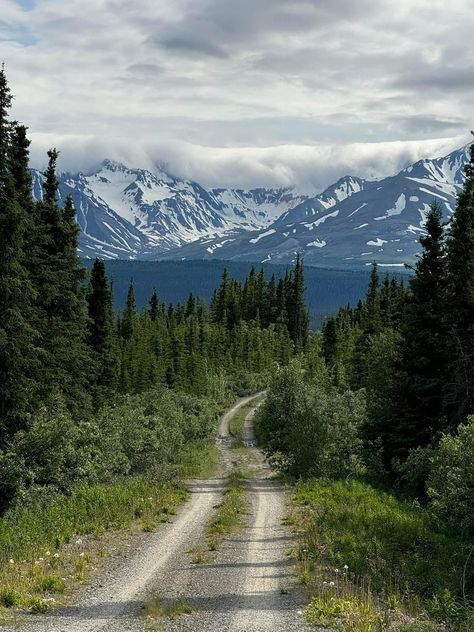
138,213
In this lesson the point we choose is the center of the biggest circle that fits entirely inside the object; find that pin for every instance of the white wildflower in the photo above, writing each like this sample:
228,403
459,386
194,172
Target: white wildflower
12,561
331,583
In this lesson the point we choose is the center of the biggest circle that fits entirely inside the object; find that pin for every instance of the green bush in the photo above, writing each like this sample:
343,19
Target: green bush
312,424
136,434
451,483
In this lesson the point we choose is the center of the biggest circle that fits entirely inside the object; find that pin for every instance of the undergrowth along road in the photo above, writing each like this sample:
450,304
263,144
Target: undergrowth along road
247,584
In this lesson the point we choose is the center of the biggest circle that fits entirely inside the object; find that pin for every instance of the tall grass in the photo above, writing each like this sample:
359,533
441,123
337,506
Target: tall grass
43,543
362,544
237,422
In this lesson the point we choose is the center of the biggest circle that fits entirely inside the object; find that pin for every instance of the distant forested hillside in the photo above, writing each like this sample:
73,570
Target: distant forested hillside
326,290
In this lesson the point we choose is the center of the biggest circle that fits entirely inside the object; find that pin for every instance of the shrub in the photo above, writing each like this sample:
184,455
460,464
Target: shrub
135,434
451,483
311,423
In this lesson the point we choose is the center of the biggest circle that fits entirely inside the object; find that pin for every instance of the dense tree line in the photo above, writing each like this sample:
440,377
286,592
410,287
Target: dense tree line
65,354
387,388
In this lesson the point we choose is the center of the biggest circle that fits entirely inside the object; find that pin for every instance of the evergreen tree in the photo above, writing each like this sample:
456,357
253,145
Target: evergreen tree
62,309
153,311
371,316
298,320
17,338
129,315
371,325
413,413
101,337
460,303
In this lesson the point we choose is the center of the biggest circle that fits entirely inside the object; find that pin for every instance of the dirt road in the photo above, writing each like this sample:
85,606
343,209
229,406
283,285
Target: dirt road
248,585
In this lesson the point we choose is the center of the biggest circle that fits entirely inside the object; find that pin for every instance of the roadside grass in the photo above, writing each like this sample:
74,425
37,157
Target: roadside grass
230,513
372,562
47,549
237,422
157,609
198,461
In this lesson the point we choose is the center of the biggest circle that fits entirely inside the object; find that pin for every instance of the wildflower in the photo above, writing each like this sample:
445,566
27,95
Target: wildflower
325,583
346,567
150,497
12,561
332,584
41,559
79,541
48,553
81,554
56,555
336,570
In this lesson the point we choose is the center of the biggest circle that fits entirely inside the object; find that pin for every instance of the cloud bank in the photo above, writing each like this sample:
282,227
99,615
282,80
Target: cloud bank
255,92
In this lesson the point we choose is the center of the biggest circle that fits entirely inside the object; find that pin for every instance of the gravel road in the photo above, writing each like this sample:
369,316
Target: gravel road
248,585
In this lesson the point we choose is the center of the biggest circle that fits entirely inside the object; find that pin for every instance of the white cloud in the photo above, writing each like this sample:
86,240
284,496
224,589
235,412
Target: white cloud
311,167
267,92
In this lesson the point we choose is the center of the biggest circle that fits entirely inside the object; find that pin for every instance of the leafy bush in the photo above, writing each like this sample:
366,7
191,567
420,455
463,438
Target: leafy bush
311,423
136,434
451,483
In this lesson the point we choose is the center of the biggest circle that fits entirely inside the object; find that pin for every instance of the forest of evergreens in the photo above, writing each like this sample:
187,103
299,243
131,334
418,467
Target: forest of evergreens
380,410
72,369
376,407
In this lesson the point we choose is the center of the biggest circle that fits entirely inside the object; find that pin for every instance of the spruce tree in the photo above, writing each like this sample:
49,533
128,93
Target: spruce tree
298,320
17,337
101,337
415,408
129,315
153,302
460,303
62,309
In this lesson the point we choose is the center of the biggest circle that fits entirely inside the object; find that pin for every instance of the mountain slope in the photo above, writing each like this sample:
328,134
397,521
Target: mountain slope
354,221
132,213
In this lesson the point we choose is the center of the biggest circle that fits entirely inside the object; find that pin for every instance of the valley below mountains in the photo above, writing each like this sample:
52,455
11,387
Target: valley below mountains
128,213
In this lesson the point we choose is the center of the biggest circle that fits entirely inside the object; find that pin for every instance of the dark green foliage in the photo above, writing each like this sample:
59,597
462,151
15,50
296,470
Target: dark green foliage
101,331
153,310
17,335
412,392
422,366
129,315
460,298
61,311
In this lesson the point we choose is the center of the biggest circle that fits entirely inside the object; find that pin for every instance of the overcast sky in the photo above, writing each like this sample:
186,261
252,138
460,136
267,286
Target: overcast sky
242,92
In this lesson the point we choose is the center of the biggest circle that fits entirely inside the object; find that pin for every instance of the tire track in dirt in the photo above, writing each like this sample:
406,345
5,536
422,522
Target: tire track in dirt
113,604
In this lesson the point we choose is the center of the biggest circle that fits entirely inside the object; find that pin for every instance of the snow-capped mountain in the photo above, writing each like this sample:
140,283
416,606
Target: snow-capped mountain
353,222
133,213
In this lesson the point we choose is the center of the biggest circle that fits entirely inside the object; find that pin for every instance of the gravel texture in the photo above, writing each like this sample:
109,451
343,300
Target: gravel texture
248,585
